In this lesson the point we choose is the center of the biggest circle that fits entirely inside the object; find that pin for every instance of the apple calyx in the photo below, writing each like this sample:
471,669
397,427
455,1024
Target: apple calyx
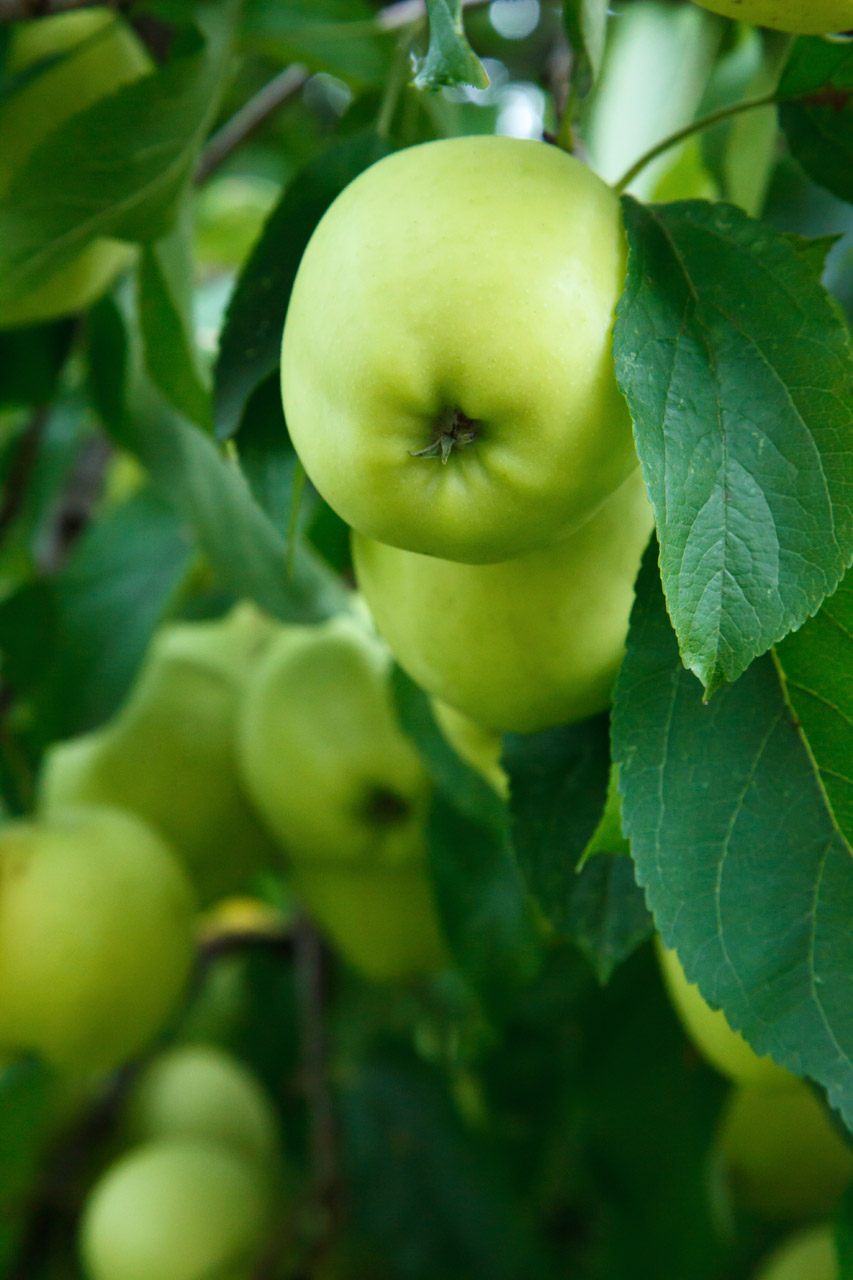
384,807
453,430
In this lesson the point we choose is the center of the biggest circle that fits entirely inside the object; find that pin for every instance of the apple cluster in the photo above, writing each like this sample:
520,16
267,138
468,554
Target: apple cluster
448,384
777,1153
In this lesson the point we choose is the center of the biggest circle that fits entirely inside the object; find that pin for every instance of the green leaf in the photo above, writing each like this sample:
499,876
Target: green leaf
165,318
744,865
736,366
250,346
481,895
25,1093
118,168
586,23
433,1194
818,116
449,60
558,784
608,837
31,361
607,915
267,457
340,36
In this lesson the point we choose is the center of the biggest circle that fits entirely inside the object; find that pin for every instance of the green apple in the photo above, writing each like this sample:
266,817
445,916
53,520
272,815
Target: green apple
522,645
811,1255
345,792
447,372
783,1158
711,1034
96,937
176,1209
200,1091
475,745
84,56
806,17
170,753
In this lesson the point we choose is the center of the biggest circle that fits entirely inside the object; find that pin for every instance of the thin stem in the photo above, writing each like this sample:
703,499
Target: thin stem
695,126
394,16
396,81
252,114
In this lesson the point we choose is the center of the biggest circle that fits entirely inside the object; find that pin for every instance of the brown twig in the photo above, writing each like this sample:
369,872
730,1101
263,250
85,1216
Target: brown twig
252,114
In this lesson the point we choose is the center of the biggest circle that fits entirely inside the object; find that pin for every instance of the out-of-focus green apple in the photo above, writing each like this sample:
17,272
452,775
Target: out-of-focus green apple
200,1091
709,1031
523,645
87,55
782,1156
96,937
170,753
458,298
805,17
475,745
811,1255
345,792
176,1210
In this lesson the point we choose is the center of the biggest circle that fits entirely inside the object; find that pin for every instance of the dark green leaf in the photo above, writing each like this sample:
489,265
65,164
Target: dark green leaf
267,457
481,894
250,347
743,863
818,122
30,362
449,60
737,368
558,784
608,837
25,1092
607,915
165,318
431,1193
117,168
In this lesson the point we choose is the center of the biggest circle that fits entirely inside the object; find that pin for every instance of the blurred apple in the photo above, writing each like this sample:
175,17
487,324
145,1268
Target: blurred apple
805,17
176,1209
75,59
346,793
96,937
170,755
781,1153
200,1091
809,1256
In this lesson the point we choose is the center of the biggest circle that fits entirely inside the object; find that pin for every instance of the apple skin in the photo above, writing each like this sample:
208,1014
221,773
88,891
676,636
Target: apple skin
725,1049
811,1255
782,1157
805,17
479,274
175,1209
523,645
170,753
200,1091
96,937
345,792
102,55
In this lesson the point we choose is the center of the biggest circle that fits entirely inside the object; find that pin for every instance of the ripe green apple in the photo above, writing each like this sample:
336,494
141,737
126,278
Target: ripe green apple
96,937
447,373
811,1255
345,792
519,646
782,1156
170,753
806,17
200,1091
711,1034
101,54
176,1209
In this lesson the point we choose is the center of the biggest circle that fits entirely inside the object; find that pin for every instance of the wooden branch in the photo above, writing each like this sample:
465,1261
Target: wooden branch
252,114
